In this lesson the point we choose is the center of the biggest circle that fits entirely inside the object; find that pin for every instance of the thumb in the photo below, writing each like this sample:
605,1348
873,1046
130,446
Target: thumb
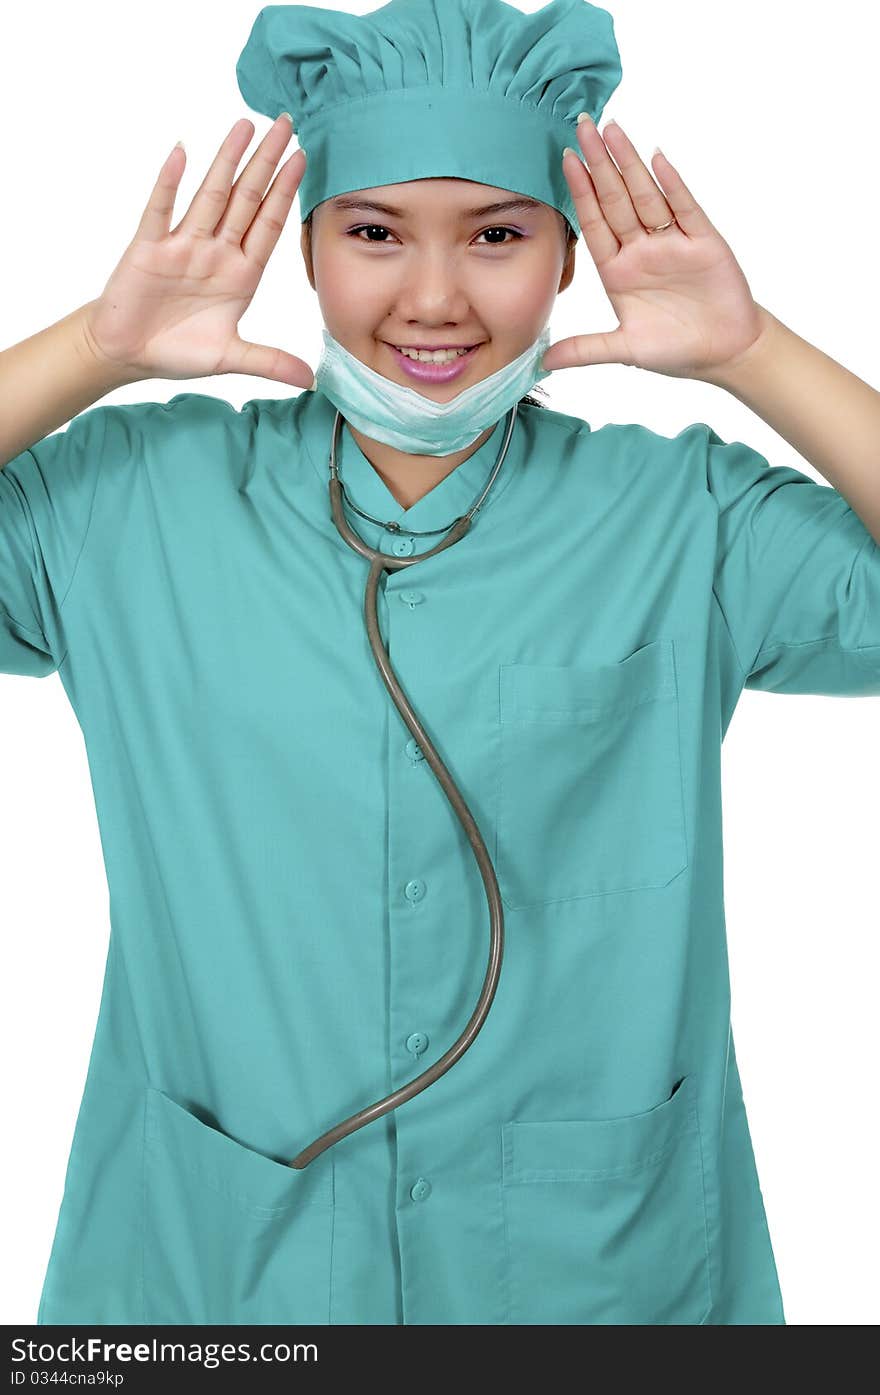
262,361
582,350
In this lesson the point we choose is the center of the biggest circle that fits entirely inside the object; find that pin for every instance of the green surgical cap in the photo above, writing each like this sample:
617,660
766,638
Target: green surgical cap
467,89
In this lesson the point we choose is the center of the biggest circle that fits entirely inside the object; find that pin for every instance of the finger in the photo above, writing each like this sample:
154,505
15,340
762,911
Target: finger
585,349
648,201
600,240
688,214
261,237
212,195
251,185
262,361
609,184
156,217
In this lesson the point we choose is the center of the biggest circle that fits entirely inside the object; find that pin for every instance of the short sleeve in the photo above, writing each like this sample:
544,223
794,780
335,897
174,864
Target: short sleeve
797,577
46,499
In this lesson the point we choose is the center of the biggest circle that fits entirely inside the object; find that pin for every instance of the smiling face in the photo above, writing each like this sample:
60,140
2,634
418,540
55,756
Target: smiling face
435,262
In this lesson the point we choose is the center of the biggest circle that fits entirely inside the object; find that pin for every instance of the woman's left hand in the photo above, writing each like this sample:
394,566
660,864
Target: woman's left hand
684,306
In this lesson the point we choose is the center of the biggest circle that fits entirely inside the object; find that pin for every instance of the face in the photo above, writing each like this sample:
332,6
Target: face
428,263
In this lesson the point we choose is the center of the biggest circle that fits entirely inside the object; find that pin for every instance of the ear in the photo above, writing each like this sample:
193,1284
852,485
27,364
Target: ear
567,275
305,242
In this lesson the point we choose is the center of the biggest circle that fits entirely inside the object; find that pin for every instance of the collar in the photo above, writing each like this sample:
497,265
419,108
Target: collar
439,508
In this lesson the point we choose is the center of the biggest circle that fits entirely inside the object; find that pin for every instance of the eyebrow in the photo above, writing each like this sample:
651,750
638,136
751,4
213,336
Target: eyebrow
503,206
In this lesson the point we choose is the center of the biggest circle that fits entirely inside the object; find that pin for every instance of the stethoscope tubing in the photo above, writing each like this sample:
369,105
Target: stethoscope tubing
379,562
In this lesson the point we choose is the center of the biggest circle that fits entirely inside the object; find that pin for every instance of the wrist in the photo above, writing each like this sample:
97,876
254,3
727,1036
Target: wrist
739,374
107,373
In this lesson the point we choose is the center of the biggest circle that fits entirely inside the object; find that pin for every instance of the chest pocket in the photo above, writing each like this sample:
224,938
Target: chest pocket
590,791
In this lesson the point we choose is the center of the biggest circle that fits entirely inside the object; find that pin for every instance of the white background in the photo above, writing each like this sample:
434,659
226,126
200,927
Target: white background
769,113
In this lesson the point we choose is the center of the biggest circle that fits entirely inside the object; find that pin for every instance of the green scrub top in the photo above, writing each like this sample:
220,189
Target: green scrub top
298,923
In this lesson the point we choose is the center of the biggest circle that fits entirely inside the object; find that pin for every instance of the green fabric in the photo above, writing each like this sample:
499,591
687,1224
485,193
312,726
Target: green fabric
298,924
468,89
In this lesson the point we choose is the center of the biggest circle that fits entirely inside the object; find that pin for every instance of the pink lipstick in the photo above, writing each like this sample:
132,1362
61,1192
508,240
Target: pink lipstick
434,372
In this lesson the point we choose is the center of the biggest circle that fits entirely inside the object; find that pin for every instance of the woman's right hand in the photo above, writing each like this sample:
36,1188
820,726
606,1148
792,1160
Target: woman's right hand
172,306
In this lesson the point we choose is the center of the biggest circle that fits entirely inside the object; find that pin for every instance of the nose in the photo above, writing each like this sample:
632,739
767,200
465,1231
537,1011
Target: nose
433,295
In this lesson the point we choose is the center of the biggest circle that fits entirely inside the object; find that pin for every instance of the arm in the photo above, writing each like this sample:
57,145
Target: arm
49,378
685,309
187,329
830,416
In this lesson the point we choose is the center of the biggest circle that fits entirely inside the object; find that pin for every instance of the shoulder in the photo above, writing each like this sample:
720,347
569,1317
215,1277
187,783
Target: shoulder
203,410
198,434
626,447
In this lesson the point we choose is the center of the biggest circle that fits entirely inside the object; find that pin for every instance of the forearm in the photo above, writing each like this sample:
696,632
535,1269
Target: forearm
830,416
46,380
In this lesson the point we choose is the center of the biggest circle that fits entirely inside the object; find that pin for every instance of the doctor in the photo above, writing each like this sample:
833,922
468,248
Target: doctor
298,924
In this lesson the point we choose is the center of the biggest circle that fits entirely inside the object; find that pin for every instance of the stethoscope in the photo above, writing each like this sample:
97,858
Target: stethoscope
379,562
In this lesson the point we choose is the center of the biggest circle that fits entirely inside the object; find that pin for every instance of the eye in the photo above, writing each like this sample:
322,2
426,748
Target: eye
512,231
377,227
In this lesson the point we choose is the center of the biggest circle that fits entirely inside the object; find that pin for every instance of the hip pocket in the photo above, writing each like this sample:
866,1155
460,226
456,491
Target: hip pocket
590,790
230,1235
606,1218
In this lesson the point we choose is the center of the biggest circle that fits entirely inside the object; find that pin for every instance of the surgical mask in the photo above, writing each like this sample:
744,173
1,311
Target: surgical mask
405,419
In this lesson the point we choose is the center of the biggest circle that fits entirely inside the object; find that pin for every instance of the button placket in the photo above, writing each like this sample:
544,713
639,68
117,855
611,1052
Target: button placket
415,889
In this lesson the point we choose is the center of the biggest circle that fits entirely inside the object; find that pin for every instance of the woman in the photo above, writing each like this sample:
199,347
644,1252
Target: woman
299,924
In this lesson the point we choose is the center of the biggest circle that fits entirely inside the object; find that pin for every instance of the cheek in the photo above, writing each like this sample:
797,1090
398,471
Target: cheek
343,289
510,314
520,289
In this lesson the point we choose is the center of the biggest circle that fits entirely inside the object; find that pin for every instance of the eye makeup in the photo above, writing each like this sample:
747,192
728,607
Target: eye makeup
516,234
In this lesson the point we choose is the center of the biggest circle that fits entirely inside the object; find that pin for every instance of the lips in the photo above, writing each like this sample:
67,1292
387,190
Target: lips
434,372
432,348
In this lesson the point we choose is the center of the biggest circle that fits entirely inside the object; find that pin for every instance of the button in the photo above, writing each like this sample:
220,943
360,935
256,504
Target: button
414,750
415,890
421,1189
416,1042
411,598
403,547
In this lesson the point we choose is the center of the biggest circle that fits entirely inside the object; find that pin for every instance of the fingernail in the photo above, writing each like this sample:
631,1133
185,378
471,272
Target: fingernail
311,386
568,151
585,116
287,114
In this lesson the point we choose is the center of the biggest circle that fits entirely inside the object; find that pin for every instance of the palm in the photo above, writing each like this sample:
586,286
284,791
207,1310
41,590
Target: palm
684,305
172,305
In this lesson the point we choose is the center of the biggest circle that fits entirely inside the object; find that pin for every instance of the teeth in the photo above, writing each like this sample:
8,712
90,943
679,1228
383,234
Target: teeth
433,356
